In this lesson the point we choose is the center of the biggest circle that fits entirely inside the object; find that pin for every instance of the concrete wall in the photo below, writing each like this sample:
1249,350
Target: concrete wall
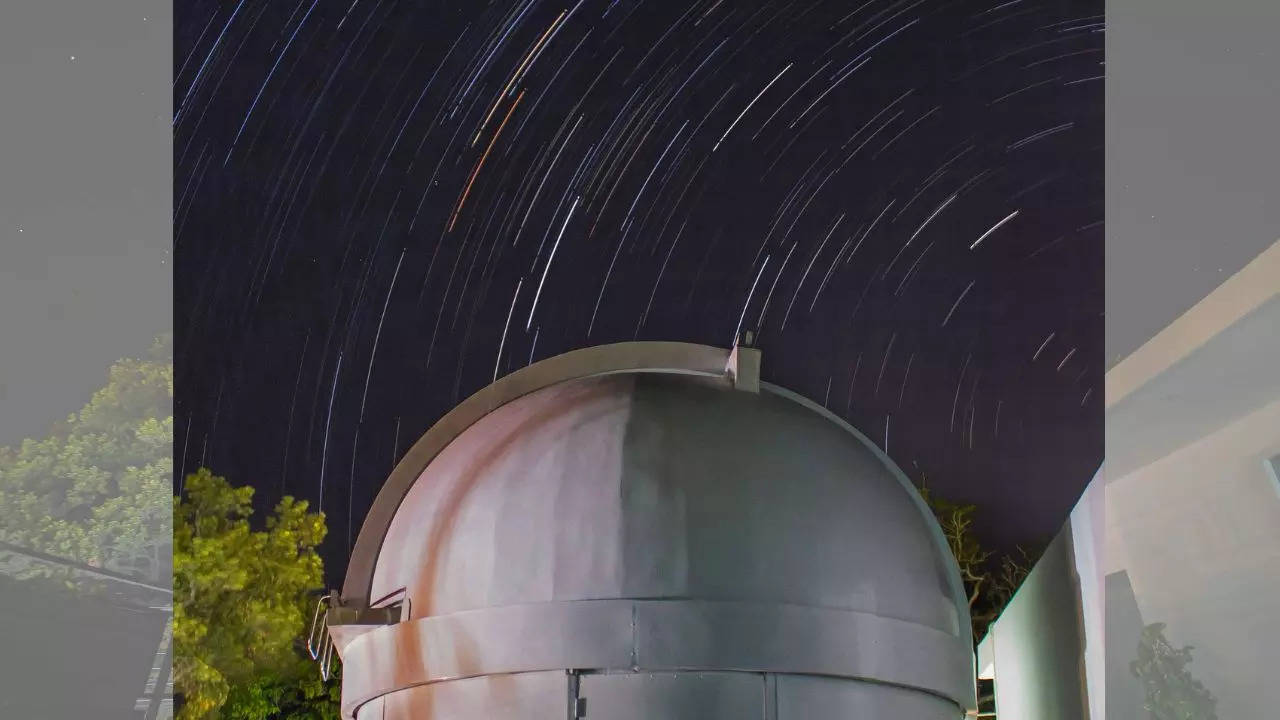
1088,534
1124,693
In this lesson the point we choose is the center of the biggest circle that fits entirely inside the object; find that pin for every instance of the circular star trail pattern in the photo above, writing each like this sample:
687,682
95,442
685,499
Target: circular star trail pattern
381,206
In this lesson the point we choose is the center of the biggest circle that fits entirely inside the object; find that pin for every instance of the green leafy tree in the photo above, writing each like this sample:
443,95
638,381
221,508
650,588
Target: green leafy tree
241,606
1172,693
96,490
284,698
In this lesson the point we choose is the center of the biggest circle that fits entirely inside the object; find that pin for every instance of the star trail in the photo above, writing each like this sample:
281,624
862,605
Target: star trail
380,206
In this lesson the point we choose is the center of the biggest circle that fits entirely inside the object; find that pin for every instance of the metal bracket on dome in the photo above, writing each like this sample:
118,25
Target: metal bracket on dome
743,368
320,639
365,616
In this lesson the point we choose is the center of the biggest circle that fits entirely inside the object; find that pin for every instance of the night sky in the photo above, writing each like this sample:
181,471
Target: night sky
379,206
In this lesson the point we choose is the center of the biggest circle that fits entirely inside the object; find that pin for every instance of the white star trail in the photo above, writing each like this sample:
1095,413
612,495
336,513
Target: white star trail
328,423
734,124
804,277
550,260
994,228
1042,346
957,303
503,343
373,354
738,330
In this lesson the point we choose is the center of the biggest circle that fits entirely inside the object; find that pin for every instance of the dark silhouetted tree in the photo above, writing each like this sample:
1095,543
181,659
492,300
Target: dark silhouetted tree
989,581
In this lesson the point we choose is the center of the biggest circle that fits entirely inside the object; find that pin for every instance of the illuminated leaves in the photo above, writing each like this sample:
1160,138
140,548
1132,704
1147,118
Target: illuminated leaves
240,603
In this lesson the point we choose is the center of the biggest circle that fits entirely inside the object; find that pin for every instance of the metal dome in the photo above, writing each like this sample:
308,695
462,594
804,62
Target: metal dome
649,510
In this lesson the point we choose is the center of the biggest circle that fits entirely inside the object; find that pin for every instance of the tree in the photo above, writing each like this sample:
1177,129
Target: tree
241,606
284,698
96,490
957,526
1172,693
989,581
1008,575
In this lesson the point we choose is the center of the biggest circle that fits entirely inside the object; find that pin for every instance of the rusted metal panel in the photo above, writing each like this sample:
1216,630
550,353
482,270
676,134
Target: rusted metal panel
522,696
496,641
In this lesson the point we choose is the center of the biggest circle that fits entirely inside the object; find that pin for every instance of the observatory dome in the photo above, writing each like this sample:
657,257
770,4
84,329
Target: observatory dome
651,523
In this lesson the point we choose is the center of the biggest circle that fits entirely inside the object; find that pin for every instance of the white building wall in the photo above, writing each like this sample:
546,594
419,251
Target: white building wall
1088,527
1038,644
1198,532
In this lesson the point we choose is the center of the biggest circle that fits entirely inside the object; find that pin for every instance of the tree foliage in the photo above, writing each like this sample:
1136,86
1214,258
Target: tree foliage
1171,692
287,697
241,606
989,580
96,490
